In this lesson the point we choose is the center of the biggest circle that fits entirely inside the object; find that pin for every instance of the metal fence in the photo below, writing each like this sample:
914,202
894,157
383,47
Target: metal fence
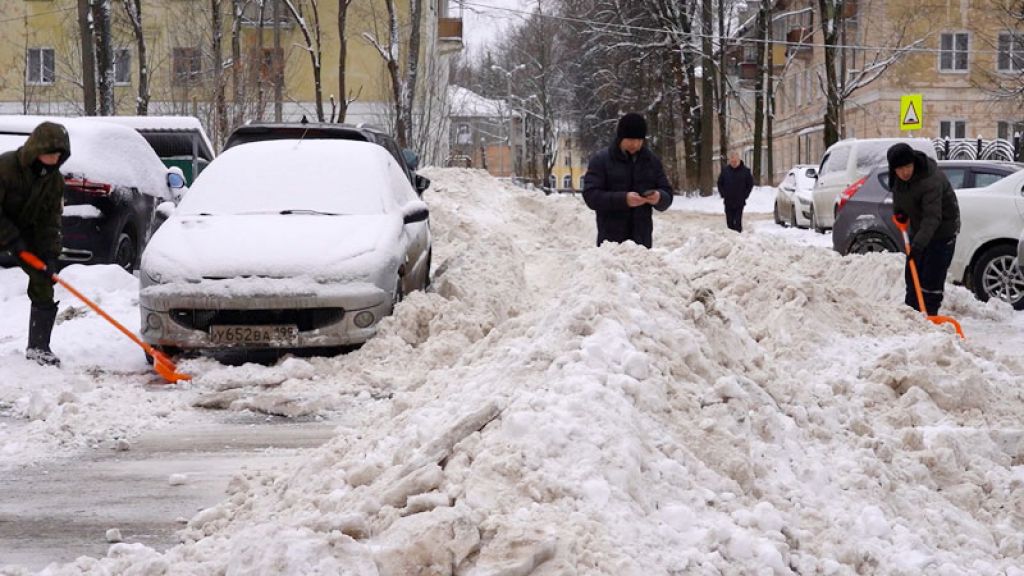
978,149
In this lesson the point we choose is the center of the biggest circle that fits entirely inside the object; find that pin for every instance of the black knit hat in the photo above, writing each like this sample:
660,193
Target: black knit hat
631,125
899,155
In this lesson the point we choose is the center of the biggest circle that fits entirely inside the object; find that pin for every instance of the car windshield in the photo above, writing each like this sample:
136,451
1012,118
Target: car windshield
314,177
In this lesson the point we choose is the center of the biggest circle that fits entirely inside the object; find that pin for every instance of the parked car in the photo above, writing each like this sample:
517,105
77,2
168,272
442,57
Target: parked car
793,196
991,220
285,244
114,183
179,141
407,159
846,162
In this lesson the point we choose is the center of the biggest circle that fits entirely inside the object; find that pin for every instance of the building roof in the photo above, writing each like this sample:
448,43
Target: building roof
469,104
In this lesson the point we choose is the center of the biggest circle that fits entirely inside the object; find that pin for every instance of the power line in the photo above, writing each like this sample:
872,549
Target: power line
734,41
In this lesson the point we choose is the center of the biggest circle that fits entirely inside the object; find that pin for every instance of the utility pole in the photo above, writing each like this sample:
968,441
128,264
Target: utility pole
88,57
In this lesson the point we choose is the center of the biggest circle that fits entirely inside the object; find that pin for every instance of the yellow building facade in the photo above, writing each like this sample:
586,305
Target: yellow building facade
40,62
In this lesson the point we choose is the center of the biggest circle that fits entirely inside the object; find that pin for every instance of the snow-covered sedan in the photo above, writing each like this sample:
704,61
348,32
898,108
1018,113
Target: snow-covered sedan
793,196
285,244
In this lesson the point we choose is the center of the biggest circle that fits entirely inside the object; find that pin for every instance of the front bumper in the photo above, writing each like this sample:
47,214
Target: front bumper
182,316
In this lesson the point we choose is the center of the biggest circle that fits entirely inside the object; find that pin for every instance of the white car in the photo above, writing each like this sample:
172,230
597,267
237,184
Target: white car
285,244
846,162
793,196
991,222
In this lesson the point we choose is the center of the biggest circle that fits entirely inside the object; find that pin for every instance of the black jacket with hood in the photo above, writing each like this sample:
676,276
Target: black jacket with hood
735,184
32,194
929,200
611,174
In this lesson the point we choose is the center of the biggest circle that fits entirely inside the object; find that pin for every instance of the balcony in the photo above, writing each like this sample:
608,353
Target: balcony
748,71
449,34
798,41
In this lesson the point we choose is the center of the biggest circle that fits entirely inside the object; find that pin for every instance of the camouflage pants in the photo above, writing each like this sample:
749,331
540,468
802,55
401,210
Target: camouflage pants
40,287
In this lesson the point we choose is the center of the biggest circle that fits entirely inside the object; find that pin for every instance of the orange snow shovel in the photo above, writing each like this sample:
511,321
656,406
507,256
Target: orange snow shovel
161,363
903,225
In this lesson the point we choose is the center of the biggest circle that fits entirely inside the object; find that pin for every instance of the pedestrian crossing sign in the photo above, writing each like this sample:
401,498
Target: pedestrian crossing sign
910,112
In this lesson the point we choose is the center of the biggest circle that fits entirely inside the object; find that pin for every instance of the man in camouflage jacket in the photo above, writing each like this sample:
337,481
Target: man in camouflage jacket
31,202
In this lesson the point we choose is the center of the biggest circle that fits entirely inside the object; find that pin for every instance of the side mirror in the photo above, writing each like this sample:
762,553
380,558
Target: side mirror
812,173
175,179
412,160
415,211
422,183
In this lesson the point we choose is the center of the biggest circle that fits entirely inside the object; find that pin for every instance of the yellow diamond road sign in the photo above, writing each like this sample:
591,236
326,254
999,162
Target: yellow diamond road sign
910,112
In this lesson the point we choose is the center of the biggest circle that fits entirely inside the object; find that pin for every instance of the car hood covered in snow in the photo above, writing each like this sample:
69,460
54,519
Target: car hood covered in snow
191,248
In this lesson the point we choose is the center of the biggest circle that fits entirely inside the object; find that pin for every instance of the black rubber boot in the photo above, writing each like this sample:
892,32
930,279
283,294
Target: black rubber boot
40,326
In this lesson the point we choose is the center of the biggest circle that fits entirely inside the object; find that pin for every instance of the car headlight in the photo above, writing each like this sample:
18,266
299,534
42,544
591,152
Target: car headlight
364,319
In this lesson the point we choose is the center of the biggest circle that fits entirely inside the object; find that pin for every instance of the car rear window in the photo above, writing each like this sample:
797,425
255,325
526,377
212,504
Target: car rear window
982,179
837,160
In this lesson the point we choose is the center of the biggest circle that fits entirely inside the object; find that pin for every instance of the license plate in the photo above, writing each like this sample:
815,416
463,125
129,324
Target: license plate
254,335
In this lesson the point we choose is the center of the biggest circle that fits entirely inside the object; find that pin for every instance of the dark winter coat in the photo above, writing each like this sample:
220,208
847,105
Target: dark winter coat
735,184
928,199
31,194
611,174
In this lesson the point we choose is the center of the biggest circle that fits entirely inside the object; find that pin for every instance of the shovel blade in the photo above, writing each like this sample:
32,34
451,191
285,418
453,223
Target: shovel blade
165,368
948,320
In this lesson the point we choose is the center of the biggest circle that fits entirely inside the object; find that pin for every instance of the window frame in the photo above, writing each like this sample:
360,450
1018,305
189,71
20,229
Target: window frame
192,77
952,123
952,52
128,66
1016,45
41,70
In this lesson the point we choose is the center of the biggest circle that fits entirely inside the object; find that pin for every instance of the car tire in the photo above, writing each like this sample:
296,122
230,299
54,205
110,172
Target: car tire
996,275
869,243
398,295
169,351
814,222
778,217
126,252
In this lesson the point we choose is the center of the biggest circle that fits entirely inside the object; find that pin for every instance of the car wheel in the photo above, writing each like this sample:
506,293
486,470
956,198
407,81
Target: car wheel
870,243
169,351
792,218
398,295
778,217
814,222
996,275
125,252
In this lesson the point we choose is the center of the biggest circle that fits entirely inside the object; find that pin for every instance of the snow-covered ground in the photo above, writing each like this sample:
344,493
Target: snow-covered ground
761,201
722,404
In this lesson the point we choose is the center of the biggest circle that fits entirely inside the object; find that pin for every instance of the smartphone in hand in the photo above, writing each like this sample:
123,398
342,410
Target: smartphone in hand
647,193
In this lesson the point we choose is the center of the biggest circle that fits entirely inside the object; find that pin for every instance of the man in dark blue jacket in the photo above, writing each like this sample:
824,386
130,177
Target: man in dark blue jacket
734,186
623,182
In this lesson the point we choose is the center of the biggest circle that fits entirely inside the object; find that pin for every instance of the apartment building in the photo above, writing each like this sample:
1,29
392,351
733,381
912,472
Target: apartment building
957,55
41,72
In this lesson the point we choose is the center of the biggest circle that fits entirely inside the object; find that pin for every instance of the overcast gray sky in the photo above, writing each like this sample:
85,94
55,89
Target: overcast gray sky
484,21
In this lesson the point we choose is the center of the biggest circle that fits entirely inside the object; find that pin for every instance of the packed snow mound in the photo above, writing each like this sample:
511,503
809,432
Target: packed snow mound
723,404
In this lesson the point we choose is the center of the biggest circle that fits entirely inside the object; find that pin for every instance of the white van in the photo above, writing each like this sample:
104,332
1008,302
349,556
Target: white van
844,163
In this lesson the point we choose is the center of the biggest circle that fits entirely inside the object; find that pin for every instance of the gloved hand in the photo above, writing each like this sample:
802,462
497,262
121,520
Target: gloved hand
901,217
16,246
915,252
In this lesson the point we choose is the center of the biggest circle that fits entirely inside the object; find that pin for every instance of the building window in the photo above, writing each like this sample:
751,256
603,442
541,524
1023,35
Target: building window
122,66
1007,130
567,181
271,65
188,66
39,66
953,129
568,161
1011,52
953,52
463,134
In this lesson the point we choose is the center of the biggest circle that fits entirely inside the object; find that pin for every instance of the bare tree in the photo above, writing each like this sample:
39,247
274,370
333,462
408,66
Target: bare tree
88,50
839,82
102,21
133,9
403,79
298,9
343,96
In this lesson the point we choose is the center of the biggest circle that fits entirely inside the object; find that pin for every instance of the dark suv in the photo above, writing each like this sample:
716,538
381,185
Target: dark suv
406,159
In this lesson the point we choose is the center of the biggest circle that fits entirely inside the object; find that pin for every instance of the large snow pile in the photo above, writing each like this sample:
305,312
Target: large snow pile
722,404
